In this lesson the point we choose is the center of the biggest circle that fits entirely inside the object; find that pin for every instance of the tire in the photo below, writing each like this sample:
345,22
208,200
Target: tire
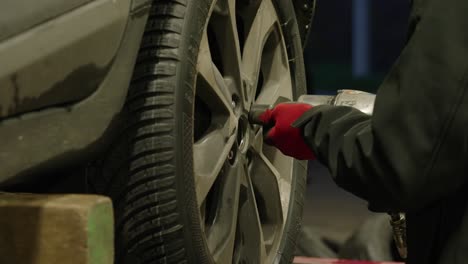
149,171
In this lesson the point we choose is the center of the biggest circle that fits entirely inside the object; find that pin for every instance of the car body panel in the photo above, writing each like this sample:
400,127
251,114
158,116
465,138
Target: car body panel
41,140
62,60
17,16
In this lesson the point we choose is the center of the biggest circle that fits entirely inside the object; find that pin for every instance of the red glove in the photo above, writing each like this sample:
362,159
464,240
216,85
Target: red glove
283,135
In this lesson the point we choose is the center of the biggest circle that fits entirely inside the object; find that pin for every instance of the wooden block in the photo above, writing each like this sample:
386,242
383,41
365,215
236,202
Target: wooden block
56,229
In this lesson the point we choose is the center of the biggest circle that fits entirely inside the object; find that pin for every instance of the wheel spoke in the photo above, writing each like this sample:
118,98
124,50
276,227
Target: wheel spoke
208,70
271,171
212,86
274,89
251,246
273,192
262,25
224,25
276,73
257,142
271,186
281,167
221,235
210,153
232,37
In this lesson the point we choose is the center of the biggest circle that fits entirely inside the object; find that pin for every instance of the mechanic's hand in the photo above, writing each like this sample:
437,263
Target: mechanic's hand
283,135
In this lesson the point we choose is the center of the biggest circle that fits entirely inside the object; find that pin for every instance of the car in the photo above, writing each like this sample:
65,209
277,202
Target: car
147,103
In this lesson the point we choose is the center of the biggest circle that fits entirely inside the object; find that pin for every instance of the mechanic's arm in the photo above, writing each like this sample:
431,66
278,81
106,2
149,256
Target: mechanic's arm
413,150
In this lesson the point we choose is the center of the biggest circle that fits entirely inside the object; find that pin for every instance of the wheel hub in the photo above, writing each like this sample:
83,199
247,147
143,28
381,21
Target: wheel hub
243,134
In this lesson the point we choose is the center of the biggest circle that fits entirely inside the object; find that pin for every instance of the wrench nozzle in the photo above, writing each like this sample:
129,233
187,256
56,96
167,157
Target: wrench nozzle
255,111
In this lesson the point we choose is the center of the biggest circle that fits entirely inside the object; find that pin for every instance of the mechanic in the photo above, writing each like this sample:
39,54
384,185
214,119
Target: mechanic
411,155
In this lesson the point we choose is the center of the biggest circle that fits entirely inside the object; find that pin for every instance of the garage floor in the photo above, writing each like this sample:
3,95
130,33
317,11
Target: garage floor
331,215
330,209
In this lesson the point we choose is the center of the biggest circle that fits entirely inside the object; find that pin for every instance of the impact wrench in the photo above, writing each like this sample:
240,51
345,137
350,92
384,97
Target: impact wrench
362,101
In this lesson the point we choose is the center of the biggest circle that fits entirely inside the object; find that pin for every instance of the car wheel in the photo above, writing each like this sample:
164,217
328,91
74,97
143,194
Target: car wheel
190,178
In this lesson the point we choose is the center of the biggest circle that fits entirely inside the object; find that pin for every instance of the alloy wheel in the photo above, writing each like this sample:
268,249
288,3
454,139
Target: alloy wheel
243,186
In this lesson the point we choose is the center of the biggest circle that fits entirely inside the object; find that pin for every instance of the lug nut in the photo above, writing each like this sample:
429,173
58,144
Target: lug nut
234,101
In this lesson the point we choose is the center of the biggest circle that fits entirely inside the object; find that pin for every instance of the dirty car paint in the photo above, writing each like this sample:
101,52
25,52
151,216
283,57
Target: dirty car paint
76,86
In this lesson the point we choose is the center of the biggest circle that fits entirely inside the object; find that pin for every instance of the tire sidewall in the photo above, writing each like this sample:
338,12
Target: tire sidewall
290,30
196,15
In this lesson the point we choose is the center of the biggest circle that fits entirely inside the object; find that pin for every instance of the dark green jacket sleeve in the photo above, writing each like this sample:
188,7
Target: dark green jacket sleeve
413,150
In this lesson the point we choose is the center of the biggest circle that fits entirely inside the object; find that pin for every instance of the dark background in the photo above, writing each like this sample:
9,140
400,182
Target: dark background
328,52
328,56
